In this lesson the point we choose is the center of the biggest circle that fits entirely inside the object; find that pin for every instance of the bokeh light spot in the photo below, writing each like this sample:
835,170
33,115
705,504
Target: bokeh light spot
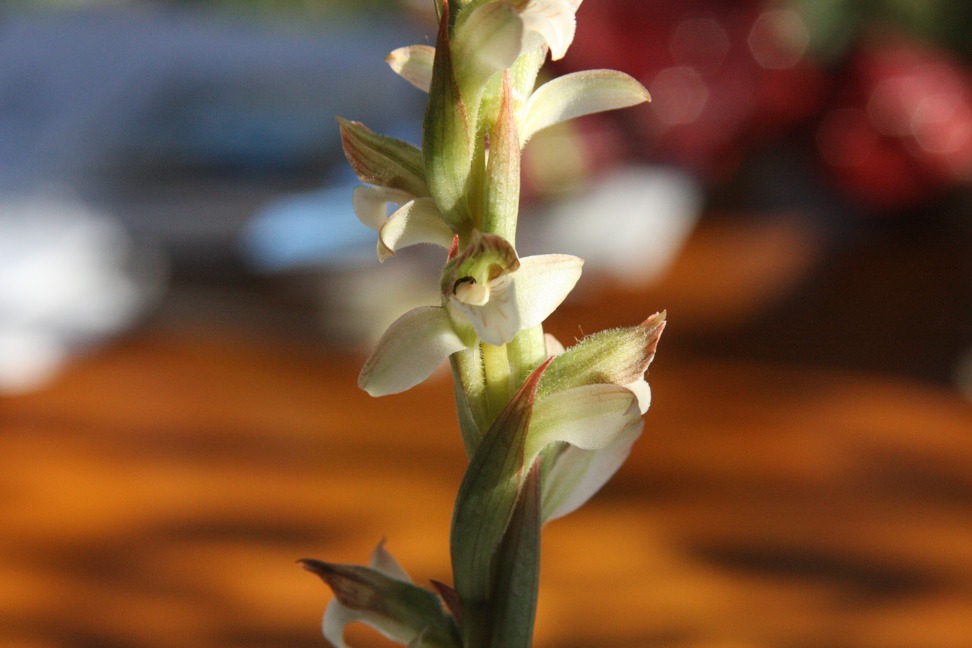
778,39
681,95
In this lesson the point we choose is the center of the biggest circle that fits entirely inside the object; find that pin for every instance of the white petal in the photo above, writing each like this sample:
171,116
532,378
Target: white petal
643,393
336,618
409,351
383,562
498,320
417,221
554,346
589,417
414,64
577,94
554,21
542,284
487,41
371,203
578,474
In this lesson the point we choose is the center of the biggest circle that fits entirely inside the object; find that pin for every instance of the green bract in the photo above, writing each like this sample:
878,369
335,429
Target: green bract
383,596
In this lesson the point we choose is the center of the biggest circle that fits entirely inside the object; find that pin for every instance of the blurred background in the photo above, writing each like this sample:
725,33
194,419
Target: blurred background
186,297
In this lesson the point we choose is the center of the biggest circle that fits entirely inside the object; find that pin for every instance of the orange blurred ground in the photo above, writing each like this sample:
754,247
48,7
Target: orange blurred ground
160,492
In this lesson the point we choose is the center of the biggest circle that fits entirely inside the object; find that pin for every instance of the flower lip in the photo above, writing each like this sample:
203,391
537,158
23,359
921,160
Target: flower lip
468,291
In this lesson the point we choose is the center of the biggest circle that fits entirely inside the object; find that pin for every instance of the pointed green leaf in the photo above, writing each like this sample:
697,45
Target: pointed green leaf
514,605
502,196
381,160
577,94
488,495
447,138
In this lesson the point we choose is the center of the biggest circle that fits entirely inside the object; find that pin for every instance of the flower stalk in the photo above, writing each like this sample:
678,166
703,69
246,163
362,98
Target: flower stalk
544,428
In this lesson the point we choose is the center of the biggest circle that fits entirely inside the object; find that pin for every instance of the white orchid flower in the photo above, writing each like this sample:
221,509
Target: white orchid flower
489,295
491,36
501,36
578,473
395,175
382,596
338,616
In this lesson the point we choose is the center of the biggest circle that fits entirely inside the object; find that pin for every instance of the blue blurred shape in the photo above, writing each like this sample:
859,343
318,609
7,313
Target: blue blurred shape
314,229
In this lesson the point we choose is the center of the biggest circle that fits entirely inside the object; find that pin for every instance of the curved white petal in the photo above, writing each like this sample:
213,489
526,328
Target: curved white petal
589,417
642,392
417,221
409,351
577,94
336,618
542,284
554,21
414,64
498,319
578,474
371,203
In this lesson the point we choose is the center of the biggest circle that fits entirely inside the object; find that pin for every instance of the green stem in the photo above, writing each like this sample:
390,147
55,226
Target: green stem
496,368
527,350
470,390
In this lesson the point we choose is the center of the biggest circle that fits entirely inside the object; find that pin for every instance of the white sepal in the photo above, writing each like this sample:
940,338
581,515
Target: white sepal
642,392
336,618
409,351
554,347
371,203
414,64
382,561
417,221
542,284
577,94
554,21
578,474
487,41
590,417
